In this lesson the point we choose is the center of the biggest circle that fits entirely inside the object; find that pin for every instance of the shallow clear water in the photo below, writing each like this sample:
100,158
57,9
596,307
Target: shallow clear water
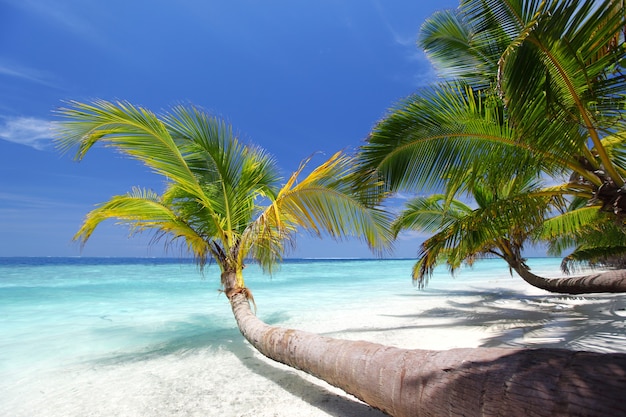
55,312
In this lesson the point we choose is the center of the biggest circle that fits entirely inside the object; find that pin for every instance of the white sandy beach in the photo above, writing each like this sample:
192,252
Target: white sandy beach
233,380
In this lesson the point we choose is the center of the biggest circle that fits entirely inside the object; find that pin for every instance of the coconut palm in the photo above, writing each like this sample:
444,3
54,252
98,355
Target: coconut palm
549,97
222,198
538,84
501,224
597,239
222,202
508,215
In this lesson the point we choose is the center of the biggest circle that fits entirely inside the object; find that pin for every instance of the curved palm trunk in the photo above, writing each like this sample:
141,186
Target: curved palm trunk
482,381
608,282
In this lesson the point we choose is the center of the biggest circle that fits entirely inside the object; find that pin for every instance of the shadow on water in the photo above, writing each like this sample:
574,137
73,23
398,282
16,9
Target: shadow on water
180,339
276,318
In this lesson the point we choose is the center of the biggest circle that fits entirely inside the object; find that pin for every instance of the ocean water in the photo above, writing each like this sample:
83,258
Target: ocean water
57,312
155,337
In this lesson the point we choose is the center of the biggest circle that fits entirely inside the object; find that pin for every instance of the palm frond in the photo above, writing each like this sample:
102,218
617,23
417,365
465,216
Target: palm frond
142,210
217,155
569,223
446,38
428,134
599,243
135,131
438,136
506,217
429,214
240,174
595,257
562,74
586,229
324,202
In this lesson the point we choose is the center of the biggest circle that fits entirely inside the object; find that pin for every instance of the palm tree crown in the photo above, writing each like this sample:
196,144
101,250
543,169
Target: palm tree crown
504,217
223,199
536,85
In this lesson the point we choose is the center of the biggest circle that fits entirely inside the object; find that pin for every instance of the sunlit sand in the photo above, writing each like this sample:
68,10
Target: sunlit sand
230,379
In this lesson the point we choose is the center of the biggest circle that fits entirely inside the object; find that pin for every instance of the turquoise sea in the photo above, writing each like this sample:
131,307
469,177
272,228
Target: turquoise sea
66,319
56,311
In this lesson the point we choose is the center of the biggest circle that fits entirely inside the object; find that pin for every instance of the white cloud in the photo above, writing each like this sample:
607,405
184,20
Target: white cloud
425,73
79,17
414,235
399,38
25,73
29,131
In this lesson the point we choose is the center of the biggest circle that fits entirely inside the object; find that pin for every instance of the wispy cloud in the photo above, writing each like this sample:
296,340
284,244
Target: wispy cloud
29,131
63,14
405,40
11,69
16,201
428,74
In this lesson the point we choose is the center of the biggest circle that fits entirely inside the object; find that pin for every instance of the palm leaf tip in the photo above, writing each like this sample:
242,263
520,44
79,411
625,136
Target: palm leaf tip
216,186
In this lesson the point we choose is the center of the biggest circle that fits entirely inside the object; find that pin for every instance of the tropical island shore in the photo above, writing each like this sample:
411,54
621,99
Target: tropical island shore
232,379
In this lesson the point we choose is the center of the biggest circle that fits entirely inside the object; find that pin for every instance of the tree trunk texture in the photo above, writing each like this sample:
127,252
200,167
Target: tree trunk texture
457,382
613,281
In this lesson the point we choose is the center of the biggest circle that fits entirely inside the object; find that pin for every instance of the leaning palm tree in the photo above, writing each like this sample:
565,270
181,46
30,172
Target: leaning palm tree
537,84
502,222
222,199
557,68
508,216
222,202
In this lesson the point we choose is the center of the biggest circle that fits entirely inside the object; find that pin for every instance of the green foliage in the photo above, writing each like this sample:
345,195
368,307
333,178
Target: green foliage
597,239
506,216
535,89
223,199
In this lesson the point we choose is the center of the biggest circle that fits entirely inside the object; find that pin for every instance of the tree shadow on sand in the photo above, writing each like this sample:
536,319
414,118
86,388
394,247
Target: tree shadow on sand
595,322
507,318
198,334
314,394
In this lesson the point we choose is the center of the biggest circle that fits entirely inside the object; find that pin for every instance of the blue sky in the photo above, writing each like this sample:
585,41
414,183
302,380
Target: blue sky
295,77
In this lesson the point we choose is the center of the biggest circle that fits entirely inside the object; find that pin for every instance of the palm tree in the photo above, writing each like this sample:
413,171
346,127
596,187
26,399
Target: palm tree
221,202
596,237
222,198
501,224
538,84
509,214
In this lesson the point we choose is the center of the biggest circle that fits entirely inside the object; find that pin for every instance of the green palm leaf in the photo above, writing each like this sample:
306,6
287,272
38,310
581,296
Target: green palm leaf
222,197
593,238
507,214
142,210
437,136
569,223
428,214
325,202
562,70
135,131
